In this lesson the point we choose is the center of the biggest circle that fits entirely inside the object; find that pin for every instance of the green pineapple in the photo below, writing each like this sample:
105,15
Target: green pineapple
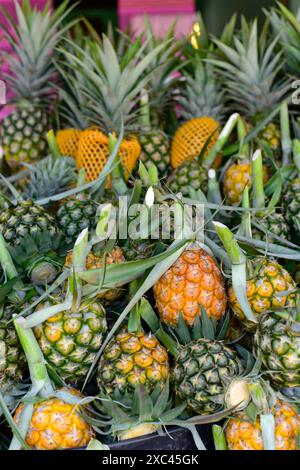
190,175
31,77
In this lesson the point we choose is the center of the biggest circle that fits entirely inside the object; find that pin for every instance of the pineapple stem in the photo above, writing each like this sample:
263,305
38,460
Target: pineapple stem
41,383
242,133
53,145
81,178
286,142
18,441
221,141
258,182
80,252
231,246
144,108
245,227
219,437
296,153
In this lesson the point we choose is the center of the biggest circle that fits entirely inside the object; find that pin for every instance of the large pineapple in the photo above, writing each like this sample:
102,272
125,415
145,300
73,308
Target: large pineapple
115,256
36,34
243,434
202,103
71,339
57,425
26,218
201,374
251,72
131,359
269,286
277,343
111,87
194,280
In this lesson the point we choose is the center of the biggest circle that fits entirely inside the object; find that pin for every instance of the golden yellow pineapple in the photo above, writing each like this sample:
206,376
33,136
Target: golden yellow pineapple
236,178
96,262
269,286
131,359
67,141
57,425
93,152
191,137
193,280
244,435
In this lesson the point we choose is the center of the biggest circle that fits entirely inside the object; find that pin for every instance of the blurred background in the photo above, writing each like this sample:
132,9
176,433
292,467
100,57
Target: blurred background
216,12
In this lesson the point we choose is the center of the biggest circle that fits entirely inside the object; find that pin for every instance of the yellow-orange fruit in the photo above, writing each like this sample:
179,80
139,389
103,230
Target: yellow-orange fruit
193,280
93,152
67,141
96,262
191,137
56,425
236,178
244,435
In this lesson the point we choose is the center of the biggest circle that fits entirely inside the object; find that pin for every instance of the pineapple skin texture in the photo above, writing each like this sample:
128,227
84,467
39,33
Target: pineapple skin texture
130,359
70,340
243,435
96,262
67,141
191,137
56,425
93,152
23,136
236,178
12,359
263,290
194,279
155,148
189,175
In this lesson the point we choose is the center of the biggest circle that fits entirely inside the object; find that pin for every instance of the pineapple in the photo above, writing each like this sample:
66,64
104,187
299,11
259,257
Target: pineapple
190,175
71,339
243,434
36,35
74,215
111,87
292,203
115,256
131,359
202,103
25,218
57,425
193,281
236,178
269,286
251,72
277,343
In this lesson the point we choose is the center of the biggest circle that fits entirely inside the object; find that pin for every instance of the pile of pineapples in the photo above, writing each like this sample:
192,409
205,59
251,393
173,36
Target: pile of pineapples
106,337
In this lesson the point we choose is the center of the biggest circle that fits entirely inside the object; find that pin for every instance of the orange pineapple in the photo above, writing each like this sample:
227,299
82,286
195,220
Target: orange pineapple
194,280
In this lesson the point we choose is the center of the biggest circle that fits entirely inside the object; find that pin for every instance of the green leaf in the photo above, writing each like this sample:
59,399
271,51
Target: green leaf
183,331
208,327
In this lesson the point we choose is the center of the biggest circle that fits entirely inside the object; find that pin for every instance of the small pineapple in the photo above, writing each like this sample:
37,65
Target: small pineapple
194,280
57,425
189,175
71,339
131,359
74,215
36,35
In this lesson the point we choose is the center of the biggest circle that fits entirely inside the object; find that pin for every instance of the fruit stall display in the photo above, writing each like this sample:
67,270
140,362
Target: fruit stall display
123,341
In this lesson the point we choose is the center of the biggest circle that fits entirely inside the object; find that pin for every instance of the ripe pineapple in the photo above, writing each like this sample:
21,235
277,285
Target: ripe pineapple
71,339
269,286
243,434
193,281
189,175
26,218
57,425
111,88
251,70
202,103
131,359
236,178
277,343
96,262
74,215
36,36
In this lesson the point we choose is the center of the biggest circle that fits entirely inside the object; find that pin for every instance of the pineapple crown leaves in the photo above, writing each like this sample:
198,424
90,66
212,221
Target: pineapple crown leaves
35,35
251,70
203,94
112,89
